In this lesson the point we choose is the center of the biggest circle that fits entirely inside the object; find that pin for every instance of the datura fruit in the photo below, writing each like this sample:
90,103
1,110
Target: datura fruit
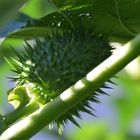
53,63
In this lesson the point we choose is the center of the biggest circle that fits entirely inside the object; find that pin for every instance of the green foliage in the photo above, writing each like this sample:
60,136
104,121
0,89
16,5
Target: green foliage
106,17
75,40
39,8
28,33
115,18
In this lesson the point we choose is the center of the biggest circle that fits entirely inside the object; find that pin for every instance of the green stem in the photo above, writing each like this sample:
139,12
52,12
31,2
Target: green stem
32,124
20,113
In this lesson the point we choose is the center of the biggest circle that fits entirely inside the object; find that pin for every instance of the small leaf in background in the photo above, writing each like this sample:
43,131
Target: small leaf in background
38,8
8,9
30,32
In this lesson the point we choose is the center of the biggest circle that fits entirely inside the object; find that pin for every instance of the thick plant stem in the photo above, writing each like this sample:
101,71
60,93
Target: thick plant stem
32,124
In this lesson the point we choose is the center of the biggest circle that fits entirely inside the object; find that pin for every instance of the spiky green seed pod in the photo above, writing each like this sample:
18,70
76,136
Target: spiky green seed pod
54,63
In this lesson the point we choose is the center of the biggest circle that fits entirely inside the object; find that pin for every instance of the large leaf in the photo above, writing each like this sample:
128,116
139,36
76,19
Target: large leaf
111,17
118,18
52,22
8,8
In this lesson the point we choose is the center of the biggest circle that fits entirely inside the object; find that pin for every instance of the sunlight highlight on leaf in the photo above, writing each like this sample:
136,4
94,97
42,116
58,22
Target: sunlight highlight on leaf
38,8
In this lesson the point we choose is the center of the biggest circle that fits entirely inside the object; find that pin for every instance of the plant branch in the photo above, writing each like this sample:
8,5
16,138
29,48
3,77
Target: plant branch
32,124
12,117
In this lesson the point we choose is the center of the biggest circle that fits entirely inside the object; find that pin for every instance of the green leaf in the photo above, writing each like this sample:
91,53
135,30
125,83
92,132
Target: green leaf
118,18
8,8
105,16
39,8
71,3
69,17
29,33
